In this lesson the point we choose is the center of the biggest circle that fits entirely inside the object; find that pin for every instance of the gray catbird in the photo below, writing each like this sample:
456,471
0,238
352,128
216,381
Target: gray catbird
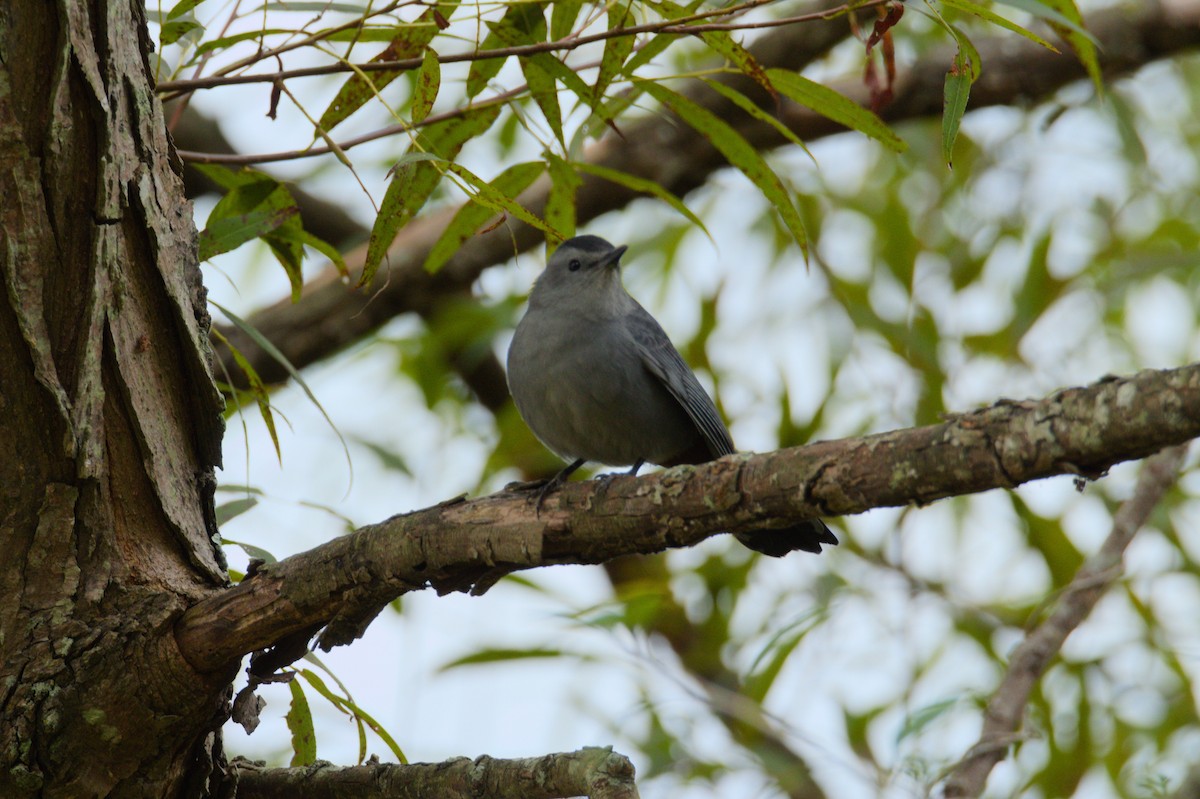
596,379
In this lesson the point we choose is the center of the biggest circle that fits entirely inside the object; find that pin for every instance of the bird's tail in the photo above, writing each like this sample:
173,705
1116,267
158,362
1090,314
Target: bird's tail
808,535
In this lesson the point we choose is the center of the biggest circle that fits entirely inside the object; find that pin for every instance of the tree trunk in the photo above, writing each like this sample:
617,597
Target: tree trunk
109,419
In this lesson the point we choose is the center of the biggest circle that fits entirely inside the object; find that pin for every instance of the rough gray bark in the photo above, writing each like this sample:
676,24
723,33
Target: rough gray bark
110,421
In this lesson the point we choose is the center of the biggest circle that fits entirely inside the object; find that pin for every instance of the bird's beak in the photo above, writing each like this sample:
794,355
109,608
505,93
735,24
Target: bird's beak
613,259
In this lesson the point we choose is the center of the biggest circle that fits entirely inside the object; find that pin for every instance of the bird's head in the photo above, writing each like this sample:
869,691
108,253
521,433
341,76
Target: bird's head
583,274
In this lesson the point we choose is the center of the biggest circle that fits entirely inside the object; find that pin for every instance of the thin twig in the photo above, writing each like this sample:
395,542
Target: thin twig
1030,659
670,27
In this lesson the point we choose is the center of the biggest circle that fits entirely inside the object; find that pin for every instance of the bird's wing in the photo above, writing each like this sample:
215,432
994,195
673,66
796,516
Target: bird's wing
663,361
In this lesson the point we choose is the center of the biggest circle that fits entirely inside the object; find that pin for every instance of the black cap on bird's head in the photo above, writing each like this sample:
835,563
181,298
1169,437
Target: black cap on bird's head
585,252
583,271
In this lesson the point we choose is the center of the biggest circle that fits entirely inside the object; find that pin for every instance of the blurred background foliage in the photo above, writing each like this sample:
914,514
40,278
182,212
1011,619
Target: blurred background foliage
1062,247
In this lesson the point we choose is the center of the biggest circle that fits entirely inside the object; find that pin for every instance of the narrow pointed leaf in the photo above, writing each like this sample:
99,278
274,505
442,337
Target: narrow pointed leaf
1079,40
545,93
300,724
258,389
522,23
230,232
410,42
644,186
835,106
746,104
616,52
415,180
722,43
563,14
737,151
429,81
963,72
560,202
985,13
474,213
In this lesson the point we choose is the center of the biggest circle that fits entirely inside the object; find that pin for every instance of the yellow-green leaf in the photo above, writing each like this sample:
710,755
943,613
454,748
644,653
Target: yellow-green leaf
415,180
522,23
258,389
230,232
985,13
429,80
475,212
409,42
835,106
746,104
300,723
560,202
1068,23
963,72
645,187
737,151
616,51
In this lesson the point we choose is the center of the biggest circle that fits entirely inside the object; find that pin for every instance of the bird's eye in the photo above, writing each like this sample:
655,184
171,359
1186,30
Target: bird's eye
574,265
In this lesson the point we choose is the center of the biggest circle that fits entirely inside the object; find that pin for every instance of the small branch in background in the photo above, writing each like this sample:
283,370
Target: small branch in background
597,773
1029,661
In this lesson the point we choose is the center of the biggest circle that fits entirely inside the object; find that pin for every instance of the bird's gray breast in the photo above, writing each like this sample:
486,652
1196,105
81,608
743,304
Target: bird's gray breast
583,389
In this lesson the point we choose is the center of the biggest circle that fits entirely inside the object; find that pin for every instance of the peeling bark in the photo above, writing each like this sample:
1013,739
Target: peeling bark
110,419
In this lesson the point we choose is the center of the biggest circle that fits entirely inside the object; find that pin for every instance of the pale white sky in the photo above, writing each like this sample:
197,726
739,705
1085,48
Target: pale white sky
778,327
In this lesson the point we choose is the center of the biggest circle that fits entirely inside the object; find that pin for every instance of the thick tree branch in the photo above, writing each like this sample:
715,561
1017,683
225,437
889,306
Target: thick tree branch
593,772
330,317
468,545
1006,709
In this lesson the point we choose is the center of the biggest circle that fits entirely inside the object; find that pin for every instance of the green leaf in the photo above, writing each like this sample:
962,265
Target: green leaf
921,719
389,459
508,184
311,5
234,508
273,351
228,233
182,7
429,80
1045,10
963,72
258,390
347,705
410,42
737,151
251,550
994,18
650,51
300,723
302,237
724,45
515,27
644,186
228,41
563,14
750,107
416,179
560,200
1067,22
835,106
498,201
545,93
498,655
172,32
616,52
